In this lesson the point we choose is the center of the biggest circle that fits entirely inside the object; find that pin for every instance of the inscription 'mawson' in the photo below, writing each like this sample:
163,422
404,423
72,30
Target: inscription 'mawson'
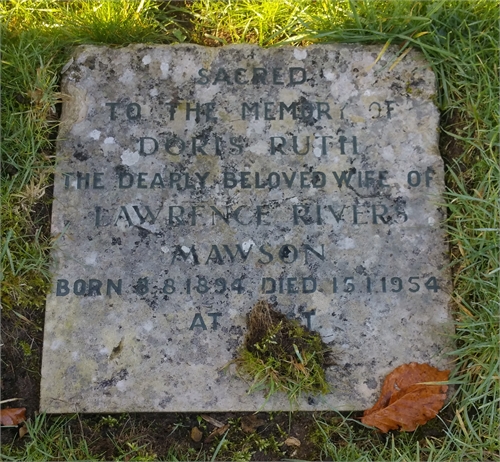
192,182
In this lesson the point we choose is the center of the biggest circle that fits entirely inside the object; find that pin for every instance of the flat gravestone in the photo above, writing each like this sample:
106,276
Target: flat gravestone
192,182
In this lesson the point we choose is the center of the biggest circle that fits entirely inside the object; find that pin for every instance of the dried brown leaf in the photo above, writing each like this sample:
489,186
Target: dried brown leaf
292,441
217,432
12,416
23,430
214,422
196,434
405,400
250,423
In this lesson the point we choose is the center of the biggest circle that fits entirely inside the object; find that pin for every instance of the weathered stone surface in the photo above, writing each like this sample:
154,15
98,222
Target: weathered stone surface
178,207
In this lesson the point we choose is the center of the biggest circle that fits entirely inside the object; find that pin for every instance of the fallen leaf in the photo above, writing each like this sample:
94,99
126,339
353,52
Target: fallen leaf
22,431
406,401
214,422
12,416
292,441
196,434
217,432
250,423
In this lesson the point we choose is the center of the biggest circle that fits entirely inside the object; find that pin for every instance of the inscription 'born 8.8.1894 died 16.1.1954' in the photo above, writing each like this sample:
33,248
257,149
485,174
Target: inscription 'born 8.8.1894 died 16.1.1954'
192,182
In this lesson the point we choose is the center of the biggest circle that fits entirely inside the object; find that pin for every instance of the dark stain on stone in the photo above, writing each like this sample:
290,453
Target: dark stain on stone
361,270
90,62
81,155
371,383
119,169
396,87
301,308
143,232
236,330
122,375
416,83
76,74
164,402
232,344
151,302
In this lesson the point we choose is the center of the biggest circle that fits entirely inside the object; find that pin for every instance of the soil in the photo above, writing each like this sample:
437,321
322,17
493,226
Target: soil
21,366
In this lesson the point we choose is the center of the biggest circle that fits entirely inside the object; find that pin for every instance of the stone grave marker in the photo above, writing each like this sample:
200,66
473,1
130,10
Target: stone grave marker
192,182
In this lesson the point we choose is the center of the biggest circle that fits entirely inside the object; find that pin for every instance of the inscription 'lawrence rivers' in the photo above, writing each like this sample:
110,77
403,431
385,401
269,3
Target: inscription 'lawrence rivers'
258,215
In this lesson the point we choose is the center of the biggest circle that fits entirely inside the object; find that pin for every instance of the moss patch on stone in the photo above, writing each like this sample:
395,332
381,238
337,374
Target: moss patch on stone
281,355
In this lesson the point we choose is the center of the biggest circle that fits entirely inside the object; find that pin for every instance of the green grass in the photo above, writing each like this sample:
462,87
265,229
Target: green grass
28,120
460,40
263,22
51,442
